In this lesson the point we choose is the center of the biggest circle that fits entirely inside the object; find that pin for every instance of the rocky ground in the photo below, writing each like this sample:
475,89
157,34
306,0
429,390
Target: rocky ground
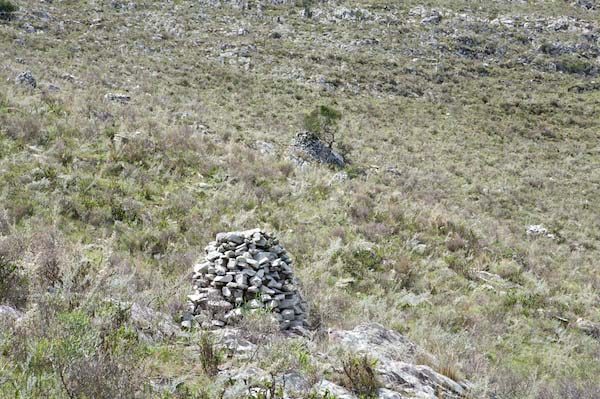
447,227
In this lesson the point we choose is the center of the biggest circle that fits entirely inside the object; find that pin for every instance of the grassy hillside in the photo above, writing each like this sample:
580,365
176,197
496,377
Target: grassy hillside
461,133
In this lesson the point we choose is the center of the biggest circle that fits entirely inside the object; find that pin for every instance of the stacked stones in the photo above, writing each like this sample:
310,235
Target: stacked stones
247,269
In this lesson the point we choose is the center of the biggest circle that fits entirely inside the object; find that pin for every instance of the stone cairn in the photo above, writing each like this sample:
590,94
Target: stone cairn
247,270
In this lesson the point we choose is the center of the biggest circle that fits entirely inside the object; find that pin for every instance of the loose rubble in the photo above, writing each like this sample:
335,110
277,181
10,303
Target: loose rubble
245,271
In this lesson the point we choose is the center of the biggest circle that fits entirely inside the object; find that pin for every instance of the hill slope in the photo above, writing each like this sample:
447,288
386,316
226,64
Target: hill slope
154,125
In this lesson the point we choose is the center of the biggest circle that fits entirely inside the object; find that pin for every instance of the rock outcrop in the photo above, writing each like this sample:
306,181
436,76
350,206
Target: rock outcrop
397,372
395,355
245,271
307,148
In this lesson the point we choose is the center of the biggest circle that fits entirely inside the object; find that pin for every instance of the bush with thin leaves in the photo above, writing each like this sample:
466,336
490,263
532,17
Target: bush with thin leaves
210,356
322,122
359,375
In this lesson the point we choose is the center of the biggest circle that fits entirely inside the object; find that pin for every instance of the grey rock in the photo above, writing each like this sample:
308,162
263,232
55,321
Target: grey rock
198,298
186,324
8,316
265,257
201,267
307,148
433,18
217,323
232,339
231,264
254,304
295,383
224,279
118,97
395,362
384,393
265,148
219,305
376,340
151,325
588,327
266,290
288,314
26,79
241,279
287,304
272,304
235,237
325,388
256,281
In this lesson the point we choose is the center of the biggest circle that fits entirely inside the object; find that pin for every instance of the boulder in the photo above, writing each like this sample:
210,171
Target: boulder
152,325
26,79
395,356
8,316
307,148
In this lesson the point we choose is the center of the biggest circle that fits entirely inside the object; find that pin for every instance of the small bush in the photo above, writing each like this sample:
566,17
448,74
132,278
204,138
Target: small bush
7,9
13,283
359,376
575,65
322,122
455,242
358,263
210,356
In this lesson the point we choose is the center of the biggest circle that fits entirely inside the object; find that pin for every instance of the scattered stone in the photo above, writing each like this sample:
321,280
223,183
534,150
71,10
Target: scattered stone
28,28
586,4
118,97
265,148
26,79
588,327
245,268
539,230
417,246
434,18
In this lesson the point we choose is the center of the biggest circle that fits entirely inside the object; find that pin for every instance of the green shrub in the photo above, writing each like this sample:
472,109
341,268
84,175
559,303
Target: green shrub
575,65
322,122
359,262
13,283
7,9
359,376
210,356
